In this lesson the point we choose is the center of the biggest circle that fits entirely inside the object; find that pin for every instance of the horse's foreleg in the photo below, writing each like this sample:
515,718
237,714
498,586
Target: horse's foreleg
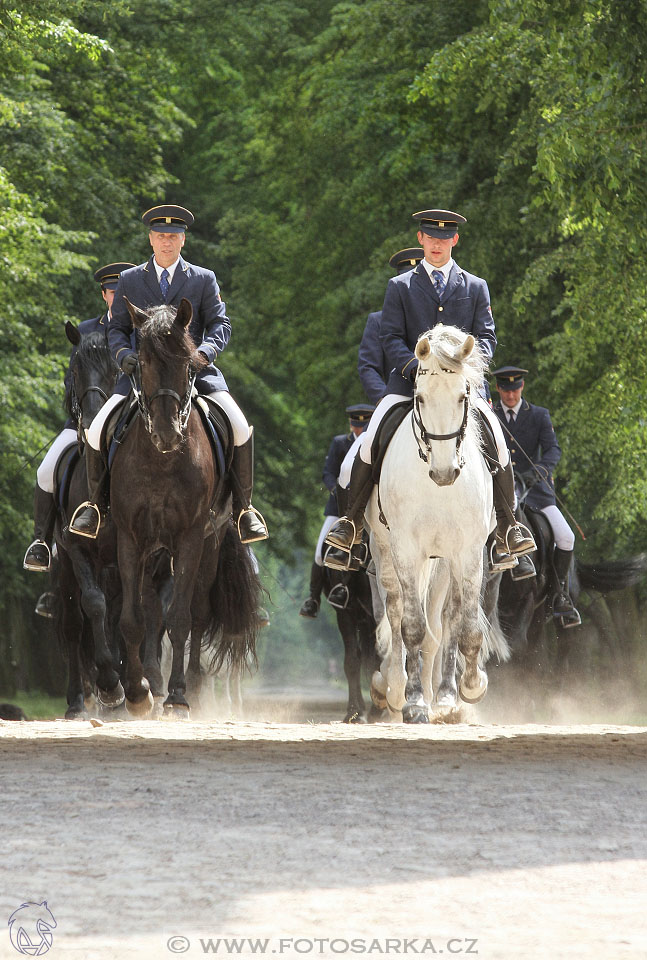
72,629
110,692
391,681
473,682
139,700
415,709
186,563
356,708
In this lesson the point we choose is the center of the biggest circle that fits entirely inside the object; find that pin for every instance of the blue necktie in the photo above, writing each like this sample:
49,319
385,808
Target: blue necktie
164,284
439,281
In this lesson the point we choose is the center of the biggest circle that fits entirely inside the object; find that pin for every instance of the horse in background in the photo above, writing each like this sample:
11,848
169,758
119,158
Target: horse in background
430,516
87,578
180,502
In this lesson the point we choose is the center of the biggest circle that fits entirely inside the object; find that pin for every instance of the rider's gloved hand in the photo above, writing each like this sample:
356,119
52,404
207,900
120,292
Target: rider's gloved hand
129,363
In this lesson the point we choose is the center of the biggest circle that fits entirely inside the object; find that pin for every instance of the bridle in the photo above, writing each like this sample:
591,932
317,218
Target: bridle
184,403
425,437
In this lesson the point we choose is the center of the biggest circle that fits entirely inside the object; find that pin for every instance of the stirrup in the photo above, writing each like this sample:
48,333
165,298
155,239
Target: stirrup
337,558
257,513
343,602
37,568
526,534
335,540
523,571
83,533
501,561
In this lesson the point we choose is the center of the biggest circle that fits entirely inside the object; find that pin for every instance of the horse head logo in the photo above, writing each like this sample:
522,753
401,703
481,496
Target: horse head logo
30,929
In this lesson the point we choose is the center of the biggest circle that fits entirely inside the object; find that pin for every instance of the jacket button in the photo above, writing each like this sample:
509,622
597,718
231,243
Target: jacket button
440,309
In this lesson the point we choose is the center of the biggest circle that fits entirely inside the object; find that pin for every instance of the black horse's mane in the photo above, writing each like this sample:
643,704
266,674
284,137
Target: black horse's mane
91,354
163,336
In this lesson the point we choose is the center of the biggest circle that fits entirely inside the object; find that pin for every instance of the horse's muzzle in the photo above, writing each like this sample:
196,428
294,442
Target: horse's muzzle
445,478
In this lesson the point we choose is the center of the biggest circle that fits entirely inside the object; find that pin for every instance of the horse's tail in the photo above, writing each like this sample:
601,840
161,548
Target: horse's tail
494,643
234,599
611,574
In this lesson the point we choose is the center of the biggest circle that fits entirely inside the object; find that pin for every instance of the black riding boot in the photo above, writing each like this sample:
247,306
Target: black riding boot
512,538
86,520
38,556
525,568
348,529
310,606
251,525
563,607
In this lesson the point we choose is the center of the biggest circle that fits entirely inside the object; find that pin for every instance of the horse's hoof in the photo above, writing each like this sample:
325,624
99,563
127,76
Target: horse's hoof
176,711
444,705
141,708
375,714
415,713
77,713
474,694
110,699
354,716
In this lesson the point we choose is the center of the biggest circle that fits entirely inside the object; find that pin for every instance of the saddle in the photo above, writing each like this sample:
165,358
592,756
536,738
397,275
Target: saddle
62,475
215,422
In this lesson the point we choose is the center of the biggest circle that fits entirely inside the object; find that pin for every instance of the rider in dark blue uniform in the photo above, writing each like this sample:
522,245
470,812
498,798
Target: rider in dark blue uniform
38,555
535,453
167,278
359,415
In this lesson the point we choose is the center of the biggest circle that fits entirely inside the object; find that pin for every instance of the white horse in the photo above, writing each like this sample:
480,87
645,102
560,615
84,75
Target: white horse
430,517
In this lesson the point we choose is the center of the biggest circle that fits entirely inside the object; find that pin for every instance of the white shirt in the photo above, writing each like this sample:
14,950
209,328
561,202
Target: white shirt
445,269
515,409
171,270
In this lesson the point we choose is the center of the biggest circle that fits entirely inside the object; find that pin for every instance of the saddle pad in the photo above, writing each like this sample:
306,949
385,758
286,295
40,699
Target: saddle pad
384,435
66,464
219,431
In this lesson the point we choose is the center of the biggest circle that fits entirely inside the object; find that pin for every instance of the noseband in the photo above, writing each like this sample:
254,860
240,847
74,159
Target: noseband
184,403
425,437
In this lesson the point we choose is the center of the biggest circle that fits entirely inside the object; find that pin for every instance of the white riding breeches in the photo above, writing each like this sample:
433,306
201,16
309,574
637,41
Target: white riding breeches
45,472
225,401
564,536
364,442
325,528
93,434
234,414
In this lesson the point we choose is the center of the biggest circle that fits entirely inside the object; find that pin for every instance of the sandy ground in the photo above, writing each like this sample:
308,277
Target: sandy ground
154,839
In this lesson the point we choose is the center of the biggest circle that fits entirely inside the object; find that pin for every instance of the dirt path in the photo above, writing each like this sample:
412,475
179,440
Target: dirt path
474,840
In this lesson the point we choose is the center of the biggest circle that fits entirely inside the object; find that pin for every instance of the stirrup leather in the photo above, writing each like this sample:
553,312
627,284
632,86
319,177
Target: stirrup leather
82,533
251,509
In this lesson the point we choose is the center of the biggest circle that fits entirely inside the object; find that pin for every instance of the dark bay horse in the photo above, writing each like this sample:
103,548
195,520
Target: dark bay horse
166,492
87,578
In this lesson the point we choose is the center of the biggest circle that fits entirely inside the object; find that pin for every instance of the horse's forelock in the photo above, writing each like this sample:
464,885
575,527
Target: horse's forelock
445,343
160,332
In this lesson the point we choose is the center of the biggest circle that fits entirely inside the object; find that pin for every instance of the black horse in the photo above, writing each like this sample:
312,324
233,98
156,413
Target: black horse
356,623
167,493
525,607
88,580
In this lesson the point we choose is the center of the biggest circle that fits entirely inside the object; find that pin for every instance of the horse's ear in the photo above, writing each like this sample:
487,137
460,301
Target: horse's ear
184,313
465,351
72,333
423,348
138,317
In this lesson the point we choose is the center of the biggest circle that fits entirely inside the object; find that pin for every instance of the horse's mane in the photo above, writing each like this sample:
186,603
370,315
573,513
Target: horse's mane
92,353
444,343
163,336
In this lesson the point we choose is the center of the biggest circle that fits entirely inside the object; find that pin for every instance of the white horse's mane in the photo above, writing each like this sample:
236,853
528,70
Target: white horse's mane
445,344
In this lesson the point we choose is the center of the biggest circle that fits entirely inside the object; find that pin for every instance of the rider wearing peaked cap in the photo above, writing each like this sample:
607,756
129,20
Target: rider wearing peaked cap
535,452
359,415
167,278
38,555
438,290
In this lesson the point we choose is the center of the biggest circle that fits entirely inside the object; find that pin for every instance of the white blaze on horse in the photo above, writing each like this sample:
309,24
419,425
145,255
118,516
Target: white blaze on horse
435,494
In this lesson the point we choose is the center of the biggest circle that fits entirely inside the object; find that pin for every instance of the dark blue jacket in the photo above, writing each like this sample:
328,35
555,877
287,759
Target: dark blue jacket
372,364
411,307
532,437
339,447
210,327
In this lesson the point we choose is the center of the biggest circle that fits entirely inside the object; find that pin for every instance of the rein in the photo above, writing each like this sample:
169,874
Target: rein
426,437
144,404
